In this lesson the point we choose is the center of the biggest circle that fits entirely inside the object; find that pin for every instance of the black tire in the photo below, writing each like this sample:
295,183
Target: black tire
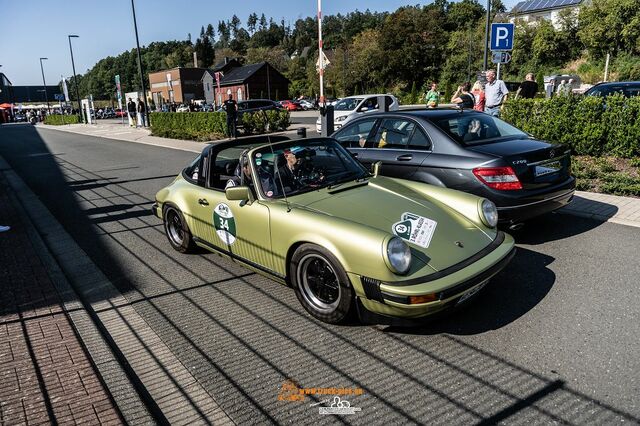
177,231
329,296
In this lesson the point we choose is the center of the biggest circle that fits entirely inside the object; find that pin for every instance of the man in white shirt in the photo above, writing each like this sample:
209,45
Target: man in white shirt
495,92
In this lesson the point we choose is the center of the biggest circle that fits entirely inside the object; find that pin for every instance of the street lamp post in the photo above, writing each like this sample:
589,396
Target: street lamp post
144,89
46,97
75,77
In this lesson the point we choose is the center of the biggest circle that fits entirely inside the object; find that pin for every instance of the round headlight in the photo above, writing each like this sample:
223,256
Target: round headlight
399,255
489,213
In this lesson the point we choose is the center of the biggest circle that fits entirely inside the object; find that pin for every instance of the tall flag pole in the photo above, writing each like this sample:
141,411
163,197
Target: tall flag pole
320,53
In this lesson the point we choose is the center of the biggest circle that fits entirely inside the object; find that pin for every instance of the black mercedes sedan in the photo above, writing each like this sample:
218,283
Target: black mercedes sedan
469,151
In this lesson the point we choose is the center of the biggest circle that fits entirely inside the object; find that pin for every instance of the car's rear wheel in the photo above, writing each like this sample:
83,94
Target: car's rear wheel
321,284
177,231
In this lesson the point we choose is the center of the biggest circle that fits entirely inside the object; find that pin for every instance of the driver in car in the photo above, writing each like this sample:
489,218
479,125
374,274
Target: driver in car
298,171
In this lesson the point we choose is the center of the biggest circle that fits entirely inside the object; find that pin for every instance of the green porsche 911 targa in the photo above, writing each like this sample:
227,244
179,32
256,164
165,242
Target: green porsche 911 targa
307,214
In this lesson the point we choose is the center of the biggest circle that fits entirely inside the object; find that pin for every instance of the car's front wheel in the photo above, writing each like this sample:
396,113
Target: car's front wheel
321,284
177,230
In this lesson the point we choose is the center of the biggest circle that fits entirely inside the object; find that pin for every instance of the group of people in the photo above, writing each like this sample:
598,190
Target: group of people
136,111
487,98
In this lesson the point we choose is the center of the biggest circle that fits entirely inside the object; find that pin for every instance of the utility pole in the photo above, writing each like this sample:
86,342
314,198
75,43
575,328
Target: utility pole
75,77
486,36
144,89
44,83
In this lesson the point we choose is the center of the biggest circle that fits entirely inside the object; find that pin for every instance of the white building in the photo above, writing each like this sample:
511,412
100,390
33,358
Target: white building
535,10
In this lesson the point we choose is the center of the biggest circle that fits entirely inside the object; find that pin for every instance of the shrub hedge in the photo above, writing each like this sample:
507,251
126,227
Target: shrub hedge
589,125
262,121
199,126
206,126
59,120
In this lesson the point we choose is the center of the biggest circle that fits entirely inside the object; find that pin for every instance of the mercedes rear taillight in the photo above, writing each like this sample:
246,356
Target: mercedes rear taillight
501,178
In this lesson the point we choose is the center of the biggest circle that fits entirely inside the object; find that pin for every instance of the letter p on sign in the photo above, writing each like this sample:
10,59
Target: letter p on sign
502,36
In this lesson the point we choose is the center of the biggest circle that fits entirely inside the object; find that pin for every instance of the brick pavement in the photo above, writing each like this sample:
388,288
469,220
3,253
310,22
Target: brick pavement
45,373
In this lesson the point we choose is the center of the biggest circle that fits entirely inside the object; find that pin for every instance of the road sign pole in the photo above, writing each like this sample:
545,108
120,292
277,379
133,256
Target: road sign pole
486,36
498,73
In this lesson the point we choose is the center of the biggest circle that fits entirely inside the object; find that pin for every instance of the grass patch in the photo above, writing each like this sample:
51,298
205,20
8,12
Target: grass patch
608,175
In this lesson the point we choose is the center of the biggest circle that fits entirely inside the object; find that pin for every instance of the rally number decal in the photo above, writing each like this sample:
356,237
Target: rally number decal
224,223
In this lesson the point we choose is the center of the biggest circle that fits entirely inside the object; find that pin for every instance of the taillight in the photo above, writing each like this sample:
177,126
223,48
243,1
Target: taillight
502,178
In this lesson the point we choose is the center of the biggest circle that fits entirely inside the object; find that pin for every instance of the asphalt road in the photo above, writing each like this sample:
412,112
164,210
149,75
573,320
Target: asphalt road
553,338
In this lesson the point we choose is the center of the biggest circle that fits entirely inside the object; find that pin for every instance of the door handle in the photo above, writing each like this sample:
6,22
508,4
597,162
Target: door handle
203,202
404,157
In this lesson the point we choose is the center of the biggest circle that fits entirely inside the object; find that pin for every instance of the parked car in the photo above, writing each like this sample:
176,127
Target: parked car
337,234
306,105
183,108
19,117
254,105
291,105
468,151
353,106
625,88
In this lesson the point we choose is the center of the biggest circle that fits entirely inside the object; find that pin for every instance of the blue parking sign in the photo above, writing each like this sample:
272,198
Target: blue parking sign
502,36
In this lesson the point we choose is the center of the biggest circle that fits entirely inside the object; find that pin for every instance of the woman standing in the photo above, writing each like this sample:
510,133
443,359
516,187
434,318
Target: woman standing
478,94
462,98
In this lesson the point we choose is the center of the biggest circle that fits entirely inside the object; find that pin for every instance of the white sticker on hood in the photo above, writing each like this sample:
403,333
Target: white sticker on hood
415,229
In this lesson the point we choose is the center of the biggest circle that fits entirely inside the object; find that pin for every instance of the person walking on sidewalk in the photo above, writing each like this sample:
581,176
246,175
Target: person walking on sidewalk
231,107
131,112
141,113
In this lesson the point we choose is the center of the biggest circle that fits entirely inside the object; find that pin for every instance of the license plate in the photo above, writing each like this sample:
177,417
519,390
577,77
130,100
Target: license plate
471,293
548,168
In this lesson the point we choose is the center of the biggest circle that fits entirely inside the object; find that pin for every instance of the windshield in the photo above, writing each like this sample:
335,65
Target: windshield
626,90
474,129
298,167
348,104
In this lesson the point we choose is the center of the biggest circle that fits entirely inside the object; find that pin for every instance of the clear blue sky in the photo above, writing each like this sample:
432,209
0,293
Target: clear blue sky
39,28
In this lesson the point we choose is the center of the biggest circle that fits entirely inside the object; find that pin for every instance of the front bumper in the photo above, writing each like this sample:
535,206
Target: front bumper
155,209
448,286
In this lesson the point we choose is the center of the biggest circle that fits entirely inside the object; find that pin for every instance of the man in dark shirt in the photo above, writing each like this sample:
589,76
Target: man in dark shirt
528,88
131,110
231,107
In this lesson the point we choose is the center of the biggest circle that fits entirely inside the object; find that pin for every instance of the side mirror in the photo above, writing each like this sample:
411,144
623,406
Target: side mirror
238,193
364,109
376,168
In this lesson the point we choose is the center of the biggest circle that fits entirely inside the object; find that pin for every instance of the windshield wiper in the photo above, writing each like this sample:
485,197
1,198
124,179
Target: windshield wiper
359,179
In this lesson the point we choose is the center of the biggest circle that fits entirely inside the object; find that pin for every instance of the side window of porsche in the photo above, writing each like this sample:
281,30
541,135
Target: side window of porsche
193,170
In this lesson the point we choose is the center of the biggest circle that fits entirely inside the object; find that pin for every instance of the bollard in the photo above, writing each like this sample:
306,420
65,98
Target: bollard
327,120
302,132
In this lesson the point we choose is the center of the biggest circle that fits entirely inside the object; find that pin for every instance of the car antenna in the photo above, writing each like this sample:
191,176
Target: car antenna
277,172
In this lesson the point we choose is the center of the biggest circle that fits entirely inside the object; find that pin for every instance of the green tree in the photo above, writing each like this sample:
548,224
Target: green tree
252,21
610,26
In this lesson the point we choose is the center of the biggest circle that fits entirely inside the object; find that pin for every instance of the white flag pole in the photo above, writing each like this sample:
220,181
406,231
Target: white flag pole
320,53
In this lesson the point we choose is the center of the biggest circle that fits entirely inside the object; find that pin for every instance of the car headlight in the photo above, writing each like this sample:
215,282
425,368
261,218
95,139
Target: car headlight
399,255
341,118
489,213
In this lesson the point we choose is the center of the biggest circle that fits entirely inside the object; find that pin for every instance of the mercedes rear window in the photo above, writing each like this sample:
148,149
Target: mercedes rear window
475,129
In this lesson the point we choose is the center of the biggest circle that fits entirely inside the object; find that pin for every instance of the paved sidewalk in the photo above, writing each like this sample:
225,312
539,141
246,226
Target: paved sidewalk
46,376
606,208
111,130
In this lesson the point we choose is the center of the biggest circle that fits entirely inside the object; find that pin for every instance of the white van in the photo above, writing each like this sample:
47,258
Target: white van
347,109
